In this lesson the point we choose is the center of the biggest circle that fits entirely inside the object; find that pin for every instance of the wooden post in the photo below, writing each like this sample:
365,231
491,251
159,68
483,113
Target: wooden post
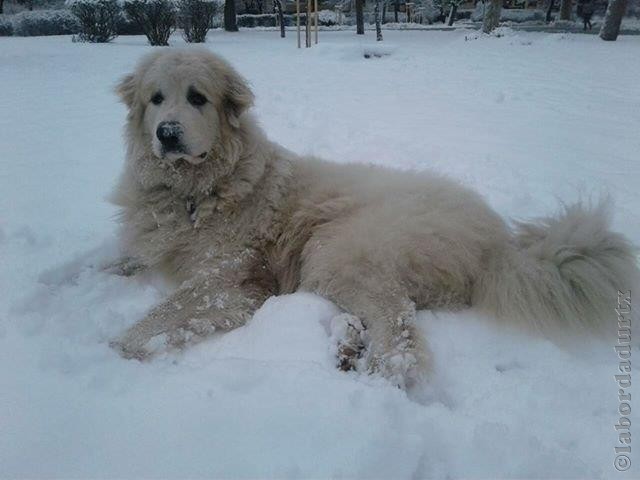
308,25
315,17
298,20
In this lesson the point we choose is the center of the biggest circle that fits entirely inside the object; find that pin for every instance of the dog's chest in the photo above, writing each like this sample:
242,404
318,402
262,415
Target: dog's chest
184,230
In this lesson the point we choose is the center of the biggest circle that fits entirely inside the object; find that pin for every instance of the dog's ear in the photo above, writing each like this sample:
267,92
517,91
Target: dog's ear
237,99
126,89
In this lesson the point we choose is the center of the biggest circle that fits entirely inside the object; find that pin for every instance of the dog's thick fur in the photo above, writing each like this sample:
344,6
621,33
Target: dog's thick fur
253,220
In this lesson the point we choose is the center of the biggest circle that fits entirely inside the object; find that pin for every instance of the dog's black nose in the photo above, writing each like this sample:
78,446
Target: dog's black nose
169,134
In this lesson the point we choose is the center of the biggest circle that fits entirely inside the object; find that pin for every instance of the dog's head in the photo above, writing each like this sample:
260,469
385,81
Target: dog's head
182,104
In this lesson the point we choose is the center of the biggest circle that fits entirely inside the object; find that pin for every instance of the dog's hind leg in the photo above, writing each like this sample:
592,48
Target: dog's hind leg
348,335
394,347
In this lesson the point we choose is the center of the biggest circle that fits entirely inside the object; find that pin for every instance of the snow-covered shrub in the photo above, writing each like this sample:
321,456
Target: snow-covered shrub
514,15
196,18
290,20
17,6
448,9
156,18
98,19
428,11
327,18
6,27
478,12
520,16
261,20
126,26
45,22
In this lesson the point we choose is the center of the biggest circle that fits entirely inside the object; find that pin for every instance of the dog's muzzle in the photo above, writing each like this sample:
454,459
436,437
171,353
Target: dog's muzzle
171,135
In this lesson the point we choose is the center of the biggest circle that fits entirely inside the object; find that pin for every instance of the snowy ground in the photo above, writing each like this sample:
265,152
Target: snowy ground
528,119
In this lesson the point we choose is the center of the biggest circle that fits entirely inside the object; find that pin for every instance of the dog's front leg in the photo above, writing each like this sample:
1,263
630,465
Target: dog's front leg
219,298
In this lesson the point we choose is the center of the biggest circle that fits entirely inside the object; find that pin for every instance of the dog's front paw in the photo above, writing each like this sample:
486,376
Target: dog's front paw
140,345
143,347
131,350
124,267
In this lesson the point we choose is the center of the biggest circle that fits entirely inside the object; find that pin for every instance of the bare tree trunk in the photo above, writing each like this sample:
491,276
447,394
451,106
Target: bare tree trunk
452,14
360,17
1,6
612,19
565,9
378,21
491,15
230,21
384,13
550,6
396,7
280,13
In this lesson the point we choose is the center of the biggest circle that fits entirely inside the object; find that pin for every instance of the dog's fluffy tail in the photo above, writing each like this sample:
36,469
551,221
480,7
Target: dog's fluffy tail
559,271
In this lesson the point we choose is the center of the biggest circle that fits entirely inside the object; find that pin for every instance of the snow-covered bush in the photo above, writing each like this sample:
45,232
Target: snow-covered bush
11,7
156,18
327,18
428,11
6,27
261,20
98,19
478,12
45,22
514,15
520,16
448,9
196,18
126,26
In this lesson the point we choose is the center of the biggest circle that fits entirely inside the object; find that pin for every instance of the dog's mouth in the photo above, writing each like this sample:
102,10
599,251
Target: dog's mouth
172,157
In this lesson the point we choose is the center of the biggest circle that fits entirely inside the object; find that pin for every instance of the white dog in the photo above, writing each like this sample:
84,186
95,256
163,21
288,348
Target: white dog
207,199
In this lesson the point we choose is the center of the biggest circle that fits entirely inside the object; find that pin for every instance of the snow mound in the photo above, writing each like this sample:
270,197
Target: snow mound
377,50
521,125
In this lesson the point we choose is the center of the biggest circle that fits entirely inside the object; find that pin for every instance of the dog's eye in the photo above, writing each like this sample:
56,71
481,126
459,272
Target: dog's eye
196,99
157,98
